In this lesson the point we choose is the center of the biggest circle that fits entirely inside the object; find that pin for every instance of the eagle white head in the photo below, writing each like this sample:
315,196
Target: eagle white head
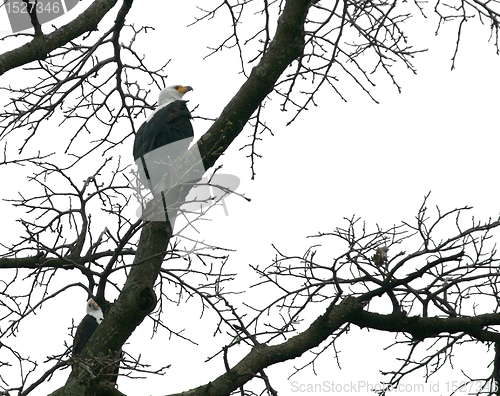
94,310
172,93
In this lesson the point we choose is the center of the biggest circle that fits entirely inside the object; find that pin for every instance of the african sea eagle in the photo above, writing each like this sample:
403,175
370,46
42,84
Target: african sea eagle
85,330
87,326
163,137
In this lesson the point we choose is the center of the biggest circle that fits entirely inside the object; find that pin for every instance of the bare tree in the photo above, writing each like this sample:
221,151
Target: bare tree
90,78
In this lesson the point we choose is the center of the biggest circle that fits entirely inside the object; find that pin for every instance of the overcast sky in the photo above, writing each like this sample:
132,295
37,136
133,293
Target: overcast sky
377,161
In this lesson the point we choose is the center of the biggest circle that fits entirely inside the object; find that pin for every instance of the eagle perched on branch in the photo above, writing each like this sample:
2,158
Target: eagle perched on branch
84,332
163,137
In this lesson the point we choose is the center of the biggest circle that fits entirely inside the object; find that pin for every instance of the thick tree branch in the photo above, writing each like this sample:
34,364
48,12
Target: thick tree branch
41,46
41,261
263,356
421,328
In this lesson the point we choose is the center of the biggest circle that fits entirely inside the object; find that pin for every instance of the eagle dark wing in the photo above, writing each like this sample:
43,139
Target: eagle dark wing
166,137
83,333
169,124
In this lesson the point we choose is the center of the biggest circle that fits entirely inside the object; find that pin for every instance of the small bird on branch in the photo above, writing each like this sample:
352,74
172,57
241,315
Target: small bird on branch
380,256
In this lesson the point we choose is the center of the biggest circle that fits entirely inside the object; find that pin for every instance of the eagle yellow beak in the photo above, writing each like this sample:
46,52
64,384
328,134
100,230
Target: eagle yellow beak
93,305
183,89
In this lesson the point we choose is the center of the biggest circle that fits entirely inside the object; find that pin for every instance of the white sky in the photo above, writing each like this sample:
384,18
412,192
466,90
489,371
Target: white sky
338,159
